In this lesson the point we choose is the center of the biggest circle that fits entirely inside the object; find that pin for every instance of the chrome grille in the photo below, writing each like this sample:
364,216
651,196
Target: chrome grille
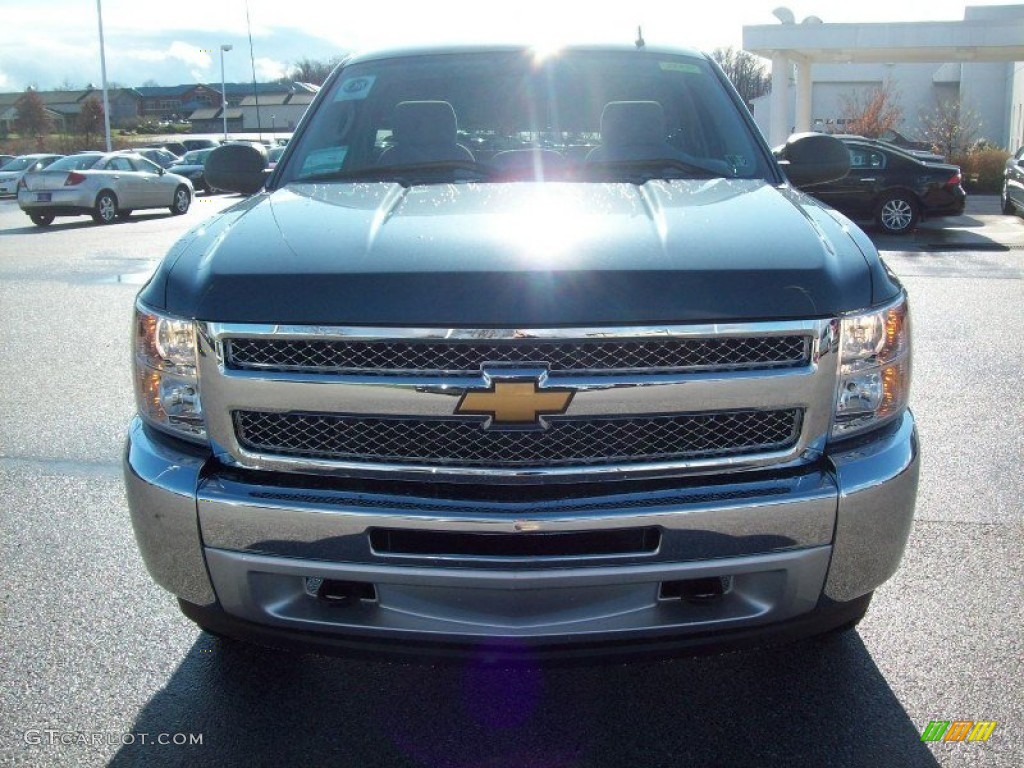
449,442
325,356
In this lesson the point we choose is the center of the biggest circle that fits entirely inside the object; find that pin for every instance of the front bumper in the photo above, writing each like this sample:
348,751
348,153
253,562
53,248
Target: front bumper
784,547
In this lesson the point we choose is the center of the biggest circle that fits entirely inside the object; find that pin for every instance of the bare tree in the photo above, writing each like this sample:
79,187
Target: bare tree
90,120
312,70
950,126
873,111
32,119
746,71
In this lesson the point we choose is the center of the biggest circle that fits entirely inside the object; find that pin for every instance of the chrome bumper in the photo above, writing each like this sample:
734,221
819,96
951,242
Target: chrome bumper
782,542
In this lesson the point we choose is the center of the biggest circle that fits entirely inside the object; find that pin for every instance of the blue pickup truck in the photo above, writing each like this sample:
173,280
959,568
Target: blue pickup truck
538,353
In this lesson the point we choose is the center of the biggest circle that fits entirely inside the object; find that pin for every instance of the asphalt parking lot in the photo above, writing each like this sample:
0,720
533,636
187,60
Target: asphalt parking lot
96,663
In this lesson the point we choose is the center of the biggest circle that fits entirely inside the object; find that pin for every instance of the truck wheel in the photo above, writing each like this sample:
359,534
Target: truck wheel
41,219
200,617
182,200
105,211
860,606
897,213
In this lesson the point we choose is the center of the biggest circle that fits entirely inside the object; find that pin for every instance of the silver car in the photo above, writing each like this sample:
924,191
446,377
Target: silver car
13,170
106,187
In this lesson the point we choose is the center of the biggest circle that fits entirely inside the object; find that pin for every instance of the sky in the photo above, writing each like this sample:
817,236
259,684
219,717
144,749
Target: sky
54,43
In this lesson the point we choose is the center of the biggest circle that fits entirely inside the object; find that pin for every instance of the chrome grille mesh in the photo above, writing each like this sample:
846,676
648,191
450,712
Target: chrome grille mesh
467,355
566,442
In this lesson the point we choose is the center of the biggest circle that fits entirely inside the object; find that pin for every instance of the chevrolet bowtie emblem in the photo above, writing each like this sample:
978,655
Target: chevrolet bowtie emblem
515,402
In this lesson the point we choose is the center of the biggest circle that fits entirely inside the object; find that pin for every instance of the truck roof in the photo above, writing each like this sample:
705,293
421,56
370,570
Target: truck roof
428,50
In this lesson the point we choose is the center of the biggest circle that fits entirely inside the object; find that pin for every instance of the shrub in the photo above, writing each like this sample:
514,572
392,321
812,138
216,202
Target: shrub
982,168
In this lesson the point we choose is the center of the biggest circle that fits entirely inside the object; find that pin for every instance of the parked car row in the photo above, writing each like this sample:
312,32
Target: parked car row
106,186
164,154
896,187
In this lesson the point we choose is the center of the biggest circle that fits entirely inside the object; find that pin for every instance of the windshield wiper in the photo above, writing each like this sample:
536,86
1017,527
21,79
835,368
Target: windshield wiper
654,168
406,174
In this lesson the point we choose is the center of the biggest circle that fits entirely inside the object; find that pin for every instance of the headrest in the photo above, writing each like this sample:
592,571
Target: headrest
424,122
632,122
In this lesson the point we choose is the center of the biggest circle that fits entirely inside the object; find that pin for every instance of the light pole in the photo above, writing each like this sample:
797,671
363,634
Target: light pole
103,69
223,89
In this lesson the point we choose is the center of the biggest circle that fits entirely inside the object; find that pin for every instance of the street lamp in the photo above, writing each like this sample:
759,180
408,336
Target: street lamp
223,89
103,70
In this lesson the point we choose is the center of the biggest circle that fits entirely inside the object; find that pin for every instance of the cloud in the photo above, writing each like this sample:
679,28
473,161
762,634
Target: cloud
145,54
269,69
4,82
190,54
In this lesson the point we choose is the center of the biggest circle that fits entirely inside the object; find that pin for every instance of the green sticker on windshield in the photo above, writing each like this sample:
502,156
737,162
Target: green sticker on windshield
678,66
327,160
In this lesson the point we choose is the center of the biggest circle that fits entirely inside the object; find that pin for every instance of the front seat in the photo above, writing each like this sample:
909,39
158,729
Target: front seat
424,132
633,130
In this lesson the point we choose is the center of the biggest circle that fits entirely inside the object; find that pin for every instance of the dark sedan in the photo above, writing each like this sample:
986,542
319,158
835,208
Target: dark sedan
892,187
1013,184
162,157
192,167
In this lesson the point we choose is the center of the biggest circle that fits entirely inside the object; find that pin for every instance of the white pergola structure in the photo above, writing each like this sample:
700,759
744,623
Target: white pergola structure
811,42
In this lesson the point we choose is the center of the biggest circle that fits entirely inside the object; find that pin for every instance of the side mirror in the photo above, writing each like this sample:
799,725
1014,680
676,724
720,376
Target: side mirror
813,158
236,168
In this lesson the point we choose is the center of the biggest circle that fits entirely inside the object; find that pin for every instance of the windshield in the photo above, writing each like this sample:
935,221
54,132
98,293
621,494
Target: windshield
75,163
21,163
195,156
583,115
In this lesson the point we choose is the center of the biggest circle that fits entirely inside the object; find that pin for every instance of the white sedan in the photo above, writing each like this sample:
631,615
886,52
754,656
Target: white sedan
15,168
104,186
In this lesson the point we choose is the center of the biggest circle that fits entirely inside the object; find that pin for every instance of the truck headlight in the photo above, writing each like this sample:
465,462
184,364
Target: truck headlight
874,373
166,378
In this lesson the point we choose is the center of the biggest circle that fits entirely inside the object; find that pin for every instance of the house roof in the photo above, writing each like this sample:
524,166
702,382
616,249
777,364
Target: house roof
247,89
166,91
265,100
207,113
269,93
55,98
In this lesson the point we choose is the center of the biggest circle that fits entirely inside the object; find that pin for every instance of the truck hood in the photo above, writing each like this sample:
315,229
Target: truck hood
516,254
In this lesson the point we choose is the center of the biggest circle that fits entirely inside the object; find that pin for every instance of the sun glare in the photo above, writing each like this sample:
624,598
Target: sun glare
544,226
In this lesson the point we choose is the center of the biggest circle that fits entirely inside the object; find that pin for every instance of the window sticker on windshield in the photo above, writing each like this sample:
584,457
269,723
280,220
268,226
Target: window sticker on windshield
323,161
355,88
678,66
